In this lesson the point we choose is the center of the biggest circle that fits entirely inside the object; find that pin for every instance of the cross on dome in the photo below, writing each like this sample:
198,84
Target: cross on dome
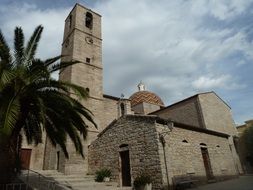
141,86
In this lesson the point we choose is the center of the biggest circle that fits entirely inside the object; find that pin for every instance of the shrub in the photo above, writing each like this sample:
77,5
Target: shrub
142,180
101,174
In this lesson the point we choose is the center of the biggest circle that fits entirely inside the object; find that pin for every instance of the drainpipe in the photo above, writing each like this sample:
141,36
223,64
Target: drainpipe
170,126
163,142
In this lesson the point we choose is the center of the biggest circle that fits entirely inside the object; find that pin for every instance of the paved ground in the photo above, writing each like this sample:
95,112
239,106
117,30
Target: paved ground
241,183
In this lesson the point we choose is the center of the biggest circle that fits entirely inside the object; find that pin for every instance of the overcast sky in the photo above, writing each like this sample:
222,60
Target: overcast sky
177,48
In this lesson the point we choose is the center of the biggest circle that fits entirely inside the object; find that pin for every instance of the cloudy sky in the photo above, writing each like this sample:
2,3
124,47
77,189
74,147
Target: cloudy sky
177,48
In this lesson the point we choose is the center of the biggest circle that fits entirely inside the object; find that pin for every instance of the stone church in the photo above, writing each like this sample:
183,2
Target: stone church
138,134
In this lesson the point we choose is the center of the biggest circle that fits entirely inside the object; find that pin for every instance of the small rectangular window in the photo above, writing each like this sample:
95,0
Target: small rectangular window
87,60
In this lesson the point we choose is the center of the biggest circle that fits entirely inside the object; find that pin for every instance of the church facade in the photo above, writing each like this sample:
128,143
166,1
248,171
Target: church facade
138,134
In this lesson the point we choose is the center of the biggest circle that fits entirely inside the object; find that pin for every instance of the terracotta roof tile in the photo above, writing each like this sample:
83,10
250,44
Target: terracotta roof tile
145,96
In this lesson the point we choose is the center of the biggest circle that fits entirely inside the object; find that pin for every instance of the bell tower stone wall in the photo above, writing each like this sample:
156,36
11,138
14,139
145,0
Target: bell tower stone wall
82,42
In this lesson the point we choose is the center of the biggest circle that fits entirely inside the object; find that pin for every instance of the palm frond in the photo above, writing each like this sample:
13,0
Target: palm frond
62,65
19,45
33,44
56,137
76,89
50,61
30,100
10,115
6,77
5,55
33,130
36,70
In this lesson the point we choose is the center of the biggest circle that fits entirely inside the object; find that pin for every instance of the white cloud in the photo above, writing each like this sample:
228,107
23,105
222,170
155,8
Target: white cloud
30,16
205,82
220,9
215,82
169,45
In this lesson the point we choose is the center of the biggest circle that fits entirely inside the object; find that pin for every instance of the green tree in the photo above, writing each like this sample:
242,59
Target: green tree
32,102
247,142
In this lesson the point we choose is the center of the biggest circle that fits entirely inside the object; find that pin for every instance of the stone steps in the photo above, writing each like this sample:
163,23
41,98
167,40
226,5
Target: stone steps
79,181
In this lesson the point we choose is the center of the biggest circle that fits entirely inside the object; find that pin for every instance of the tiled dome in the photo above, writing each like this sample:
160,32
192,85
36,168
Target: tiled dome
145,96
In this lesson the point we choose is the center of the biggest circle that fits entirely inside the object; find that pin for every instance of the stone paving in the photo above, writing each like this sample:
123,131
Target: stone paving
241,183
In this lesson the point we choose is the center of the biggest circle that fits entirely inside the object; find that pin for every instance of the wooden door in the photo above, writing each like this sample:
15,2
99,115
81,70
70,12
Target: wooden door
25,156
207,163
125,168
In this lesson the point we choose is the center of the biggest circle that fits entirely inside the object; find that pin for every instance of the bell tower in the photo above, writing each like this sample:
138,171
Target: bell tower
82,42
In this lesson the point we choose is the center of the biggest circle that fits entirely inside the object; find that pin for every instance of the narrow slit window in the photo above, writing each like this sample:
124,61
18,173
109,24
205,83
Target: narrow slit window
70,21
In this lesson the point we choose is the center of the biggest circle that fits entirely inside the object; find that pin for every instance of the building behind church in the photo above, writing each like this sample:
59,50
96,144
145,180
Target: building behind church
138,134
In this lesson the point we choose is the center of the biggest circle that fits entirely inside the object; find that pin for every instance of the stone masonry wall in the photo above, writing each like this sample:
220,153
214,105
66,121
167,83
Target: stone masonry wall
37,154
145,108
186,158
218,117
216,114
185,112
140,136
110,111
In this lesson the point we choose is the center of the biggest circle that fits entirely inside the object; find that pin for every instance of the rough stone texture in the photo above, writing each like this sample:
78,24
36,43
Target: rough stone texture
50,156
146,151
80,43
186,112
105,109
140,136
141,133
145,108
37,153
205,110
185,158
110,111
216,114
218,117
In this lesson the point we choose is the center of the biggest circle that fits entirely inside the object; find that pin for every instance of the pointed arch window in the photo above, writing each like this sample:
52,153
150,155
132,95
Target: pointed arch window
88,20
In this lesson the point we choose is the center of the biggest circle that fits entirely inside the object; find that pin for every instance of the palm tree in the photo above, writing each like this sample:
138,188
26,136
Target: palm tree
32,102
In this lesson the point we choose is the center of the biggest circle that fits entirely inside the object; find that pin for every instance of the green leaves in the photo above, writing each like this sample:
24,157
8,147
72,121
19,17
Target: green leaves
33,44
5,56
248,137
10,111
19,45
32,101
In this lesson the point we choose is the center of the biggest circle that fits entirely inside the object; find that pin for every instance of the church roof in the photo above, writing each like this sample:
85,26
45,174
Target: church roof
157,119
145,96
191,97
